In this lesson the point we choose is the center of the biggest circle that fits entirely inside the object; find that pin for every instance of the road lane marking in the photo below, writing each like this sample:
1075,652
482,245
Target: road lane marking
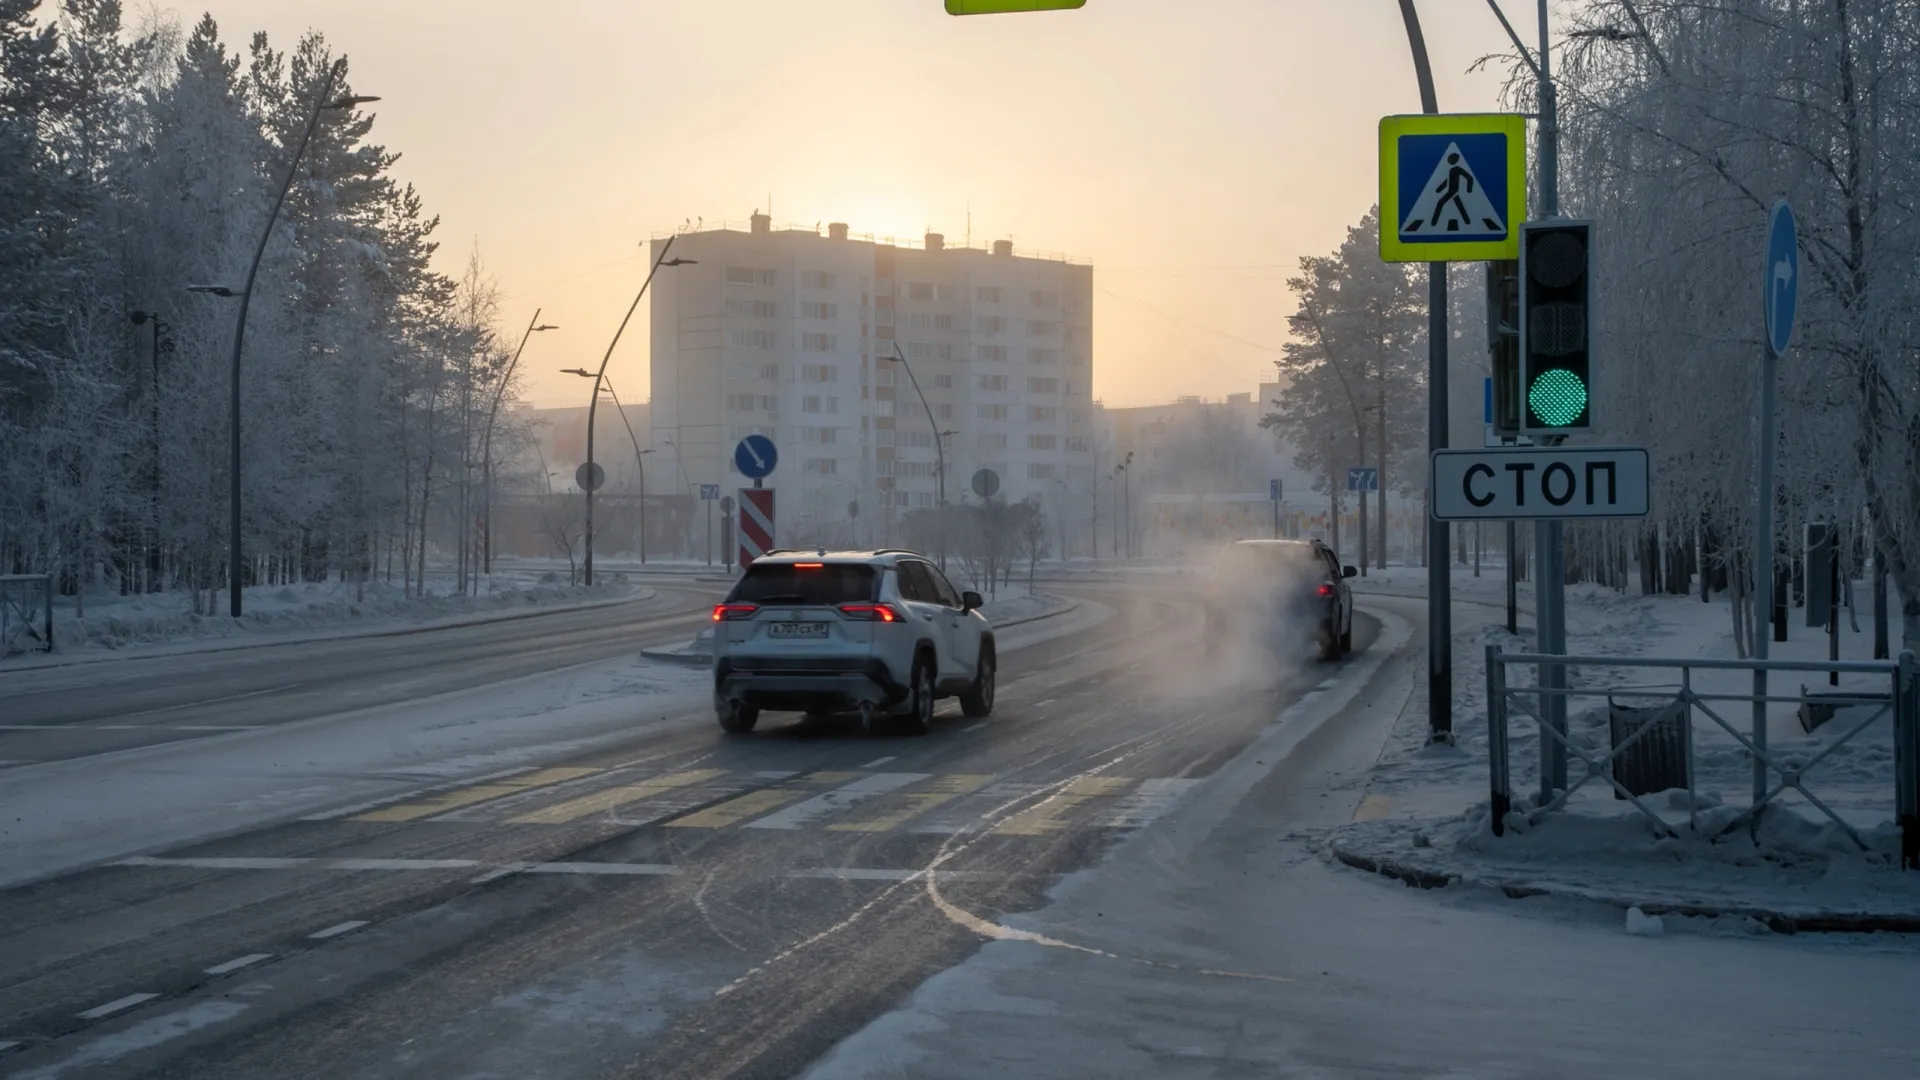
573,809
238,962
117,1005
800,815
388,800
336,930
297,862
604,869
972,727
453,800
1372,808
966,815
944,789
860,873
208,701
234,863
879,761
755,803
130,727
1044,816
1145,803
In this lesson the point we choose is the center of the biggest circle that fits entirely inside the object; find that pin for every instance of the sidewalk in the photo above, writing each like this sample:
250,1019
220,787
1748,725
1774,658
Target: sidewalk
1219,942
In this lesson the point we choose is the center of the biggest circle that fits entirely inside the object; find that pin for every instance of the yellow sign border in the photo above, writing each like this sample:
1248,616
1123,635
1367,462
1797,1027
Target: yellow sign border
1512,125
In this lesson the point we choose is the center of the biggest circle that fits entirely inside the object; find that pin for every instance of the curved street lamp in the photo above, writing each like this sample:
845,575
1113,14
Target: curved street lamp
235,568
639,455
486,439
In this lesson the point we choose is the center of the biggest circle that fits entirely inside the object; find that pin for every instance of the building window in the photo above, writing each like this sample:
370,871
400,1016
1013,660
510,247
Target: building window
815,309
819,373
987,294
750,339
915,470
996,354
1046,357
740,402
1039,470
946,294
993,440
991,412
990,382
819,436
919,350
1076,334
810,403
747,275
943,382
883,377
821,466
919,320
919,290
753,403
752,309
1043,298
815,279
945,411
1076,358
1076,444
1041,328
916,440
883,437
991,324
1042,414
943,321
819,342
769,373
1043,386
1042,442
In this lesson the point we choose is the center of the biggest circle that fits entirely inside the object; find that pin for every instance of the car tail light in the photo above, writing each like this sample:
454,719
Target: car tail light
727,612
809,566
1326,590
870,612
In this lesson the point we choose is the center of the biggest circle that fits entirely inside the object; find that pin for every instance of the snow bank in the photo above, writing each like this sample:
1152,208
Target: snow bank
1017,609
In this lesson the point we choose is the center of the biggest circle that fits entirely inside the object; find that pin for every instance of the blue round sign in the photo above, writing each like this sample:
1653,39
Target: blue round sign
755,456
1782,278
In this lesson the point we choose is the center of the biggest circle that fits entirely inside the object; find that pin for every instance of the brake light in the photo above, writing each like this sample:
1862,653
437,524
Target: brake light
870,612
809,565
726,612
1326,590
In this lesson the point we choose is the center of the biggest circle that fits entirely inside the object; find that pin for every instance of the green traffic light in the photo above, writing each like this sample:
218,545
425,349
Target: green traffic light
1000,7
1557,397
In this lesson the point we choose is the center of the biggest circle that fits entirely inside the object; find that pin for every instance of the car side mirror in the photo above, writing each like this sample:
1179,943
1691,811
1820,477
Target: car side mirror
1348,571
970,601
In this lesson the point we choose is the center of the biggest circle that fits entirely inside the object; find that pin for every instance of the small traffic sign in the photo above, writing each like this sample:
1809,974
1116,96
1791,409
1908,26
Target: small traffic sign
589,476
1540,482
986,483
1453,188
756,524
756,456
1363,478
709,492
726,504
1274,490
1782,278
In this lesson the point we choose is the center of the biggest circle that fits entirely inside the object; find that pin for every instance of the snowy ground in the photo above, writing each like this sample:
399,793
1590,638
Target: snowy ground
281,612
1427,809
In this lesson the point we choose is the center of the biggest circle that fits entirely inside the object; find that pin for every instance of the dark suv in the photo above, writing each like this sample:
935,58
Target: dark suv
1276,590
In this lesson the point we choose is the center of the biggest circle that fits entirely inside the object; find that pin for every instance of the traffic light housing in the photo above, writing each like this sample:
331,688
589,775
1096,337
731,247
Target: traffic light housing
1503,343
1001,7
1556,325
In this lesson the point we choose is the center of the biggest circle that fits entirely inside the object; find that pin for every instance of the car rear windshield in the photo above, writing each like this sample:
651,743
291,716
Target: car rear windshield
807,583
1267,560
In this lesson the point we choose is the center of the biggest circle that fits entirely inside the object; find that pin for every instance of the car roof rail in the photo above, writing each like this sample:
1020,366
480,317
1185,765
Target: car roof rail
899,551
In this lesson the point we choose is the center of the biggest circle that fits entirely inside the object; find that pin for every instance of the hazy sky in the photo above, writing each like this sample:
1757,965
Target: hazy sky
1192,149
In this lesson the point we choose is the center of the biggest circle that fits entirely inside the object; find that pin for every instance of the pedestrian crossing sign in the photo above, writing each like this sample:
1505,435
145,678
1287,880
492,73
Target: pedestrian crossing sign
1453,188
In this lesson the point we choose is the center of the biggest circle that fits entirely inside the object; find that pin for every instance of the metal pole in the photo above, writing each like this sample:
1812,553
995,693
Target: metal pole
1833,600
486,440
1763,569
153,536
1550,581
235,572
1439,585
593,403
939,449
1513,578
1365,534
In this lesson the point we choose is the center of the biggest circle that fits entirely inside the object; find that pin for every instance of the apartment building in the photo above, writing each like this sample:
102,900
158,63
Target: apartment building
794,334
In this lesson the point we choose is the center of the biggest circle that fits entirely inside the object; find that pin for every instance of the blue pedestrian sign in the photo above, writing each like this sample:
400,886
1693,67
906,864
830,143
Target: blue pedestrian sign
1782,278
709,492
1273,490
1452,188
755,456
1363,478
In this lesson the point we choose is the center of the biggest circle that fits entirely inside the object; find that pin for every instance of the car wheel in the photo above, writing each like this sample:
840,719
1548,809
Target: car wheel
920,703
1329,644
738,719
1346,641
978,701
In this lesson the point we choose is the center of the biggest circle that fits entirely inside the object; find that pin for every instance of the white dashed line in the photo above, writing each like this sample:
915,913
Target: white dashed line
115,1006
972,727
877,762
8,1044
237,963
857,873
335,931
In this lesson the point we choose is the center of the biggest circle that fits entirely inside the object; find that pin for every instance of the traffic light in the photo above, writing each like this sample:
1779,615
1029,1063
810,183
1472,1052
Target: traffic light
1556,301
999,7
1503,343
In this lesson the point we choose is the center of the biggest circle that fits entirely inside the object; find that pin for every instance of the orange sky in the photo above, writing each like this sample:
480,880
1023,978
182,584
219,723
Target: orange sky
1192,150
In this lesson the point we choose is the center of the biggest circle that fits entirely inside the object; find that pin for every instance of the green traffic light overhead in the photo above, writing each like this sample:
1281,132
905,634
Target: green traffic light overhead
1001,7
1557,397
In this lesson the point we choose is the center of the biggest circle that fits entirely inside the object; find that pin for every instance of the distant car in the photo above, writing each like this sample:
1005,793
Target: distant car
1276,591
880,633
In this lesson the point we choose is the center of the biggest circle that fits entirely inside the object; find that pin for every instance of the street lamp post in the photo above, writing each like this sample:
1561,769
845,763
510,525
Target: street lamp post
593,403
1124,471
235,569
534,326
639,455
939,448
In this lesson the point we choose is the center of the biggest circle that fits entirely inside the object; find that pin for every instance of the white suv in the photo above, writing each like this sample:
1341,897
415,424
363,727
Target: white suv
878,632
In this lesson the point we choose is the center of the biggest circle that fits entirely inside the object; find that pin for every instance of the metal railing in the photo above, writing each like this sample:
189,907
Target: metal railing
26,612
1901,700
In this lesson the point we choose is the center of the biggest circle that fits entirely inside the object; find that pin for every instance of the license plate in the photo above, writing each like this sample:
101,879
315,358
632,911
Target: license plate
797,629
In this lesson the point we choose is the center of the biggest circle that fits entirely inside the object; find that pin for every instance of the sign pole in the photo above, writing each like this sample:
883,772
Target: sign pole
1779,304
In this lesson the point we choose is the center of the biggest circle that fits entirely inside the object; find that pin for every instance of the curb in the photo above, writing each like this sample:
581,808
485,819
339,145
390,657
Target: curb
1776,921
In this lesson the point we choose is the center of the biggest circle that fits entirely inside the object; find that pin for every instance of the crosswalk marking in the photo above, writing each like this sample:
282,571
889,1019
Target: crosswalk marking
965,814
755,803
574,809
799,815
1372,808
1145,803
451,800
944,789
1044,816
